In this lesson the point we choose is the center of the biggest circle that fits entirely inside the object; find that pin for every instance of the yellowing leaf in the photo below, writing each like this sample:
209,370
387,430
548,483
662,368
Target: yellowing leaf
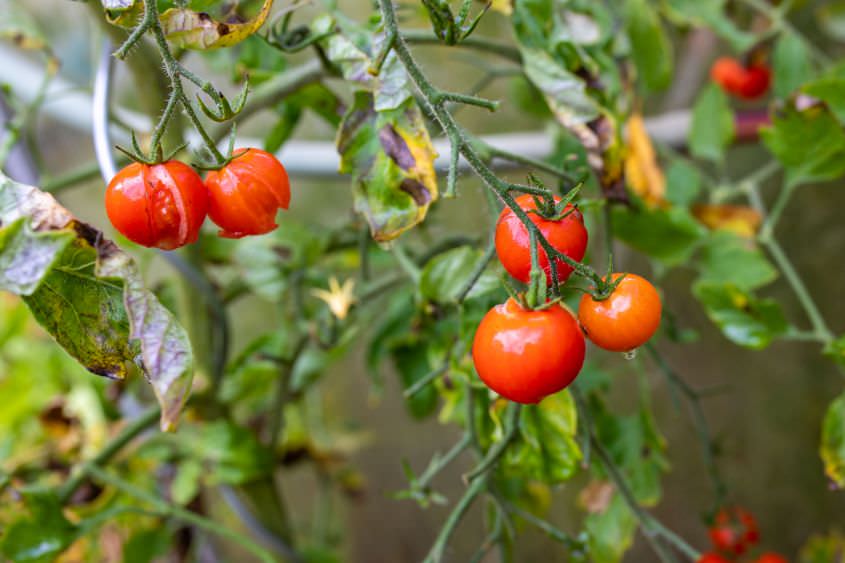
390,155
739,219
502,6
644,175
198,30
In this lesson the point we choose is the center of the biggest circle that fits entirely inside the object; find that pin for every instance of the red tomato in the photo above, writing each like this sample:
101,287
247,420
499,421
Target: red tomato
734,530
712,558
513,241
728,73
745,82
163,205
527,355
771,558
755,83
626,319
246,194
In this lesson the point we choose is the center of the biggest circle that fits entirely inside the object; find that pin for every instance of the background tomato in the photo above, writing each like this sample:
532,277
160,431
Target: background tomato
755,83
567,235
728,73
771,558
734,530
246,193
712,558
626,319
161,206
527,355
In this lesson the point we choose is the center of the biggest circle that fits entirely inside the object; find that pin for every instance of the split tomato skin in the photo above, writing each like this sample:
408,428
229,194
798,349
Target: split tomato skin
161,205
246,194
513,242
627,319
525,355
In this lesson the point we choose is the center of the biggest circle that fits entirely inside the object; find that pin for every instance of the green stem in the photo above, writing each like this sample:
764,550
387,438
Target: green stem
455,517
439,463
166,509
550,529
495,453
145,421
478,270
424,37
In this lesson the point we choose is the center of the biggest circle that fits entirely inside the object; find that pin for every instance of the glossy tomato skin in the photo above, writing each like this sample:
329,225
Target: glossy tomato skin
626,319
526,355
734,530
728,73
771,557
162,206
712,558
568,235
755,83
246,194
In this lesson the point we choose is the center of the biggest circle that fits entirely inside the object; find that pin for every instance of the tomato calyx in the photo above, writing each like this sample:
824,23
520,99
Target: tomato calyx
210,162
546,207
225,111
156,156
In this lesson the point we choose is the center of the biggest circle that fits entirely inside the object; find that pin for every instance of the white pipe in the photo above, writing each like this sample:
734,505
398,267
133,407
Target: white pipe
72,106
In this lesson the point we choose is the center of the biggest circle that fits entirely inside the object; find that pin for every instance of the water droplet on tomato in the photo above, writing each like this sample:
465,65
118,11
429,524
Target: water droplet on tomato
630,354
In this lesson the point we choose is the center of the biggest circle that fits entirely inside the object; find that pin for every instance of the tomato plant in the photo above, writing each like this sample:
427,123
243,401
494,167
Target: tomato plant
465,177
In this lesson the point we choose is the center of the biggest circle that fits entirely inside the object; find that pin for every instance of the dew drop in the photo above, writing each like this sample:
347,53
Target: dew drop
630,354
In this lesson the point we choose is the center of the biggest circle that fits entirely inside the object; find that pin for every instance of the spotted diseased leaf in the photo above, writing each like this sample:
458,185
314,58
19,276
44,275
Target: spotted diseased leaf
391,158
353,49
833,441
190,24
89,296
610,532
743,318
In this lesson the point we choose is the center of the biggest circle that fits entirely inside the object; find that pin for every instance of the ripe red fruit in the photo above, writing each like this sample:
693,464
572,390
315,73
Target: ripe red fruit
246,194
734,530
526,355
741,81
728,73
771,557
161,205
755,83
626,319
513,248
712,558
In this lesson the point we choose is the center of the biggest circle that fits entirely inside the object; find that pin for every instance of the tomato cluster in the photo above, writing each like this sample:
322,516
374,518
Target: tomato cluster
747,82
734,532
526,354
164,205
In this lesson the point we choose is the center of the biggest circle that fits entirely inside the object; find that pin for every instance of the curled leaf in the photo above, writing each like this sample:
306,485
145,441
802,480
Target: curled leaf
198,30
642,171
89,296
833,441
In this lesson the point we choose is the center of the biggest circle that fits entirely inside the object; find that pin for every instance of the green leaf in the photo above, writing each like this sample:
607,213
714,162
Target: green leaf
712,128
391,159
791,64
548,450
833,441
186,482
683,183
412,360
90,296
650,48
610,533
810,144
835,350
830,90
823,548
147,545
731,259
710,13
43,534
743,318
565,92
669,235
445,275
228,453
